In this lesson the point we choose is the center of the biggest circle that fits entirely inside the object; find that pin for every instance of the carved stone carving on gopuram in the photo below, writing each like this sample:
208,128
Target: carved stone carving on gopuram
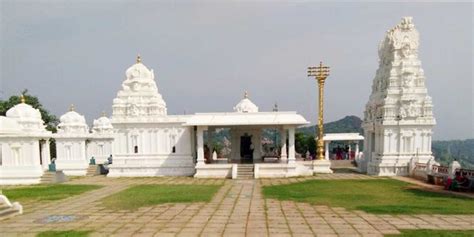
139,97
398,118
398,90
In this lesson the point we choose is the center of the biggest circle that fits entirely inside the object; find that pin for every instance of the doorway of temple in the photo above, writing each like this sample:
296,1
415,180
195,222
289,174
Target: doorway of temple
246,150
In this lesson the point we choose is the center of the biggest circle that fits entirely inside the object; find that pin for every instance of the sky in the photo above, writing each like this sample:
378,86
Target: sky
206,54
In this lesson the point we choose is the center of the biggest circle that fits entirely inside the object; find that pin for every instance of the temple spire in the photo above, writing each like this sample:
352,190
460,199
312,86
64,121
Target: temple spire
71,108
246,95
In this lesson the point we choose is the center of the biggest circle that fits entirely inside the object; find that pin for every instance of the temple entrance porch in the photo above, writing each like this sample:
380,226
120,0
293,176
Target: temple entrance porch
245,138
250,144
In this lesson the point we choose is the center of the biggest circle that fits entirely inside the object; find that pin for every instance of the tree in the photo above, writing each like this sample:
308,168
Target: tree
50,120
304,143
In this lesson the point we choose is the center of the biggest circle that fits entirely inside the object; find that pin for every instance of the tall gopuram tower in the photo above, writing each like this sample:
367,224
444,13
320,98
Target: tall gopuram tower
139,97
398,119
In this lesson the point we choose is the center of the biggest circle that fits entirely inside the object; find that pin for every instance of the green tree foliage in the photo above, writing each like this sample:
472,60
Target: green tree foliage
305,142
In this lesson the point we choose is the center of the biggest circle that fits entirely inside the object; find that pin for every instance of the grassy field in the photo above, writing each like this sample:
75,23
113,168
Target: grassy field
434,233
46,192
375,196
70,233
147,195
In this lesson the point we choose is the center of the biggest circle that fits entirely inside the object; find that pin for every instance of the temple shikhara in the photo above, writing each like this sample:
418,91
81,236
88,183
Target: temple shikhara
141,139
398,119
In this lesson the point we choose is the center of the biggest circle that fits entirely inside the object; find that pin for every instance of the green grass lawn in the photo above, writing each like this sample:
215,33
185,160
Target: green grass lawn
434,233
70,233
375,196
46,192
147,195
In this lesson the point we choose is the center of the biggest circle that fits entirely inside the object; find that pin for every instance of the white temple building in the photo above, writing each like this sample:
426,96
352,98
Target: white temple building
99,144
246,125
148,142
145,141
24,145
398,119
71,144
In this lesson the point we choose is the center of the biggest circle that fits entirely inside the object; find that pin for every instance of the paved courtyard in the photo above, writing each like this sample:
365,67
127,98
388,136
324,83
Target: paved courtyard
238,209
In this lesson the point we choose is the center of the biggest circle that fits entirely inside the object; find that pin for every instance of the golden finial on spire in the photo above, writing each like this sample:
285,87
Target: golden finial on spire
104,114
22,98
246,95
139,59
71,108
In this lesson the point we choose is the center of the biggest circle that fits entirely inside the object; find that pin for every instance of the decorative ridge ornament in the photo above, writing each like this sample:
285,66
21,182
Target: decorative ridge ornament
139,59
71,107
103,114
22,99
246,95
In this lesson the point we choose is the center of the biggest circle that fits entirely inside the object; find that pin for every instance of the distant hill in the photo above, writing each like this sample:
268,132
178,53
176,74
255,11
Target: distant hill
461,150
349,124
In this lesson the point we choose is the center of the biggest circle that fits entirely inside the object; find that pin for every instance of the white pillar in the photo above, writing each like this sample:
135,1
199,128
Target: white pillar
46,155
291,145
357,150
257,142
210,144
326,150
200,145
283,156
349,151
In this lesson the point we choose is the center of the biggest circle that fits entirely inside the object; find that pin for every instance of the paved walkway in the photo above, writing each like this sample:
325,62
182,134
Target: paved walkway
238,209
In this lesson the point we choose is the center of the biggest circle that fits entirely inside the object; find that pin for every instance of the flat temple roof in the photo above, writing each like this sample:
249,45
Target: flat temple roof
342,137
242,119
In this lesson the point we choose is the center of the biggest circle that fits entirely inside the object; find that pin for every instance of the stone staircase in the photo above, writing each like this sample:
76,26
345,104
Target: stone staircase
52,177
245,171
48,177
342,164
91,170
8,209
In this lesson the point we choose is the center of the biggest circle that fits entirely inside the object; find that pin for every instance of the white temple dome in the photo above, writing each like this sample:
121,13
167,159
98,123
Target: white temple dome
72,122
102,125
246,105
9,126
27,117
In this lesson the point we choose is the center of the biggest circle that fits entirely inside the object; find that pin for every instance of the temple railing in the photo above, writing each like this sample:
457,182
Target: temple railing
440,169
421,166
466,172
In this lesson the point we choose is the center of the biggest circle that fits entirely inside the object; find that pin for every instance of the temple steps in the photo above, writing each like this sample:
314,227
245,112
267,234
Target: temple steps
48,177
91,170
342,164
245,171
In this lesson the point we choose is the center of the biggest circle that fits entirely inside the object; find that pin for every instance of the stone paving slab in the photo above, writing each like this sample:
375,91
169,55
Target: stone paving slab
238,209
